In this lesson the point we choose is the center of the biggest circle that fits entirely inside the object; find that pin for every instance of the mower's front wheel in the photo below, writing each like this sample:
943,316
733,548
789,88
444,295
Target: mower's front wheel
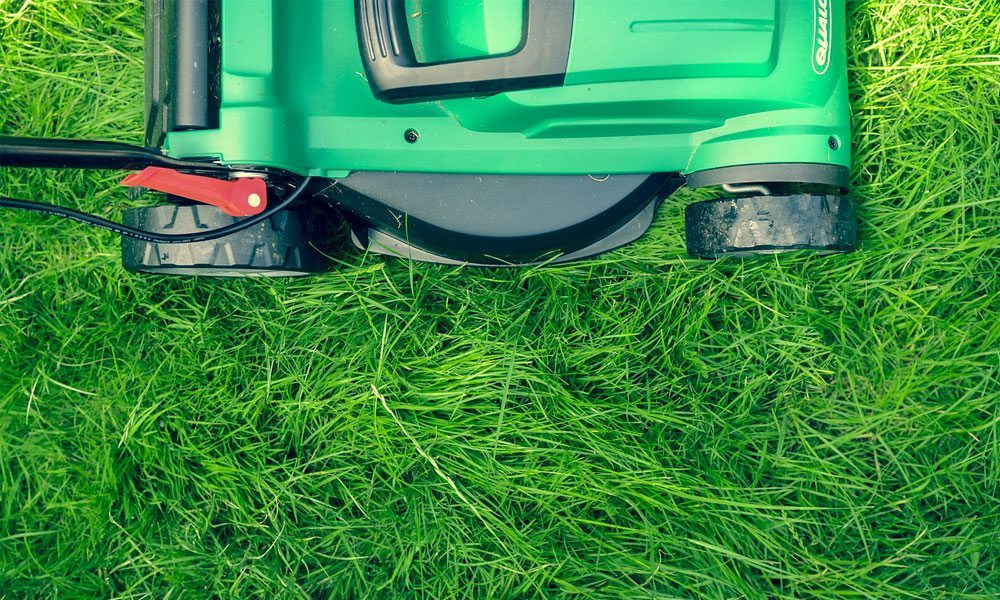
762,225
289,244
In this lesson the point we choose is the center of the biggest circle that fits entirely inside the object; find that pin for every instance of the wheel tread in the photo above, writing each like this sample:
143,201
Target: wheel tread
280,244
763,225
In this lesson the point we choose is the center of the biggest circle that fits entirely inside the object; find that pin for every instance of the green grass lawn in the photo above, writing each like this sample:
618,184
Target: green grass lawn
639,425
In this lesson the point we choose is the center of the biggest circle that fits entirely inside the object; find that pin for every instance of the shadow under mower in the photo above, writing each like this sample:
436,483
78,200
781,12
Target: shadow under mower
486,132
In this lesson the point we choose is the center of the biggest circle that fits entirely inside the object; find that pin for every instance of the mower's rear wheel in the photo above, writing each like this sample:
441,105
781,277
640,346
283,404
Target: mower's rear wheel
289,244
763,225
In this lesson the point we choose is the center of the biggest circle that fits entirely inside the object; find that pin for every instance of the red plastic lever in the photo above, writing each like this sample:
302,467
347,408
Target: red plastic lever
238,198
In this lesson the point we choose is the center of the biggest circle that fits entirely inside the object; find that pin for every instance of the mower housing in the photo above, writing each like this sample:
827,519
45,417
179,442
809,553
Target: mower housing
502,131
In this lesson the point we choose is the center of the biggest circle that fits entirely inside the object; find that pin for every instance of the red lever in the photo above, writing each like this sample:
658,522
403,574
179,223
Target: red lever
238,198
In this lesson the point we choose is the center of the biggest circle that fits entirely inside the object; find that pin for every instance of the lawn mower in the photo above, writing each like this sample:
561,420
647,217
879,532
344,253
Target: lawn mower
479,132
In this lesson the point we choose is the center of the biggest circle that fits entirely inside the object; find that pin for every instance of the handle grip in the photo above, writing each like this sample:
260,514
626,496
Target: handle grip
395,75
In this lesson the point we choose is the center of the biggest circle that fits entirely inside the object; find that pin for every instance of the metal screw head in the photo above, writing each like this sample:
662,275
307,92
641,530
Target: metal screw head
834,143
411,136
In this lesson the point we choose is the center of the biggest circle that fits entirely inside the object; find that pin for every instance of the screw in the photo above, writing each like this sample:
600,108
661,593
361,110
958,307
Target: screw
411,136
253,200
834,143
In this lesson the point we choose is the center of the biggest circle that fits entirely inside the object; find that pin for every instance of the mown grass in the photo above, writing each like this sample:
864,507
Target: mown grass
640,425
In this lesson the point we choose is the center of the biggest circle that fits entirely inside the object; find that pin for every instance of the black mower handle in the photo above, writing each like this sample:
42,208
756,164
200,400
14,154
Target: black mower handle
396,76
86,154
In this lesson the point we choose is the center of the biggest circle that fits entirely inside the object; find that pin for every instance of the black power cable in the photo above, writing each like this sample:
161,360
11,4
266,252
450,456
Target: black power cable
146,236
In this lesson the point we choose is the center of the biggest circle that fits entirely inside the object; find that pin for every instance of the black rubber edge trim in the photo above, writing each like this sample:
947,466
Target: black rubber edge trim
449,238
820,174
382,243
395,75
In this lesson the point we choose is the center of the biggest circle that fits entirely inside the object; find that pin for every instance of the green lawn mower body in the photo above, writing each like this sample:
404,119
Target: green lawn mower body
515,131
636,86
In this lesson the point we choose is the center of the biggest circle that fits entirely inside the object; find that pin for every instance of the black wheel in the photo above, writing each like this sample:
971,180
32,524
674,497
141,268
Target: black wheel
289,244
762,225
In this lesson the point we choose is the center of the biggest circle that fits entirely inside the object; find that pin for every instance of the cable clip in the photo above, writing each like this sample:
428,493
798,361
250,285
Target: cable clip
243,197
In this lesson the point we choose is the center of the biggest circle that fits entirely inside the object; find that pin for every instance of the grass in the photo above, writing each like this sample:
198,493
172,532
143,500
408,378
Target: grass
639,425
